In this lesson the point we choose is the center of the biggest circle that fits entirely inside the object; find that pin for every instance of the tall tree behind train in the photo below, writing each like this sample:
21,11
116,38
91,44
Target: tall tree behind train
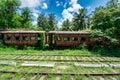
43,22
52,22
8,13
79,20
27,17
66,25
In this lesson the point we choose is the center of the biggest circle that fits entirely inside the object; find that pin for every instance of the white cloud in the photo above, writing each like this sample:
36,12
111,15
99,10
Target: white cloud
44,6
59,24
59,3
31,3
34,3
65,5
34,22
89,7
75,6
35,15
68,13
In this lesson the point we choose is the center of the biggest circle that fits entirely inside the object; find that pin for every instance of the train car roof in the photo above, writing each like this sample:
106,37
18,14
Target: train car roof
68,32
22,32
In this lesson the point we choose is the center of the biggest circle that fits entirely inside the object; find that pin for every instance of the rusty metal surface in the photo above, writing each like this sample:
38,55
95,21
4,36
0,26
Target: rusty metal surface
4,32
70,35
30,38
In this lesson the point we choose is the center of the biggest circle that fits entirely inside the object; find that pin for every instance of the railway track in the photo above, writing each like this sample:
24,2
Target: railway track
59,76
71,72
81,55
58,58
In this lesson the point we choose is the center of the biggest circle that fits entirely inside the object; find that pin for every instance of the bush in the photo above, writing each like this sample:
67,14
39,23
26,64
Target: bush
101,37
82,47
106,50
41,43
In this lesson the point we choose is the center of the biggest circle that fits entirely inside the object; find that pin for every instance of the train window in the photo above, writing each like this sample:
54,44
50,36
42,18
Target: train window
59,38
83,39
17,37
39,38
25,38
66,39
74,39
33,38
8,38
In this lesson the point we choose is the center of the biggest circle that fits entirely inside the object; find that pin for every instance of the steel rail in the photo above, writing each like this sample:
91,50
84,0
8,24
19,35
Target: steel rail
49,60
55,55
50,73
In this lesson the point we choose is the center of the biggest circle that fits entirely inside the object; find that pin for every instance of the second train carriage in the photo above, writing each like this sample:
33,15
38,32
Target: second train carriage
68,38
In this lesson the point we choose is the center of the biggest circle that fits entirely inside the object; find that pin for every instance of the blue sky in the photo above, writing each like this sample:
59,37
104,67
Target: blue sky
63,9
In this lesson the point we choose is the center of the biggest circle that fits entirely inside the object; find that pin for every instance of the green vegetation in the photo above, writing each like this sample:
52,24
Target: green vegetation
103,25
10,50
47,24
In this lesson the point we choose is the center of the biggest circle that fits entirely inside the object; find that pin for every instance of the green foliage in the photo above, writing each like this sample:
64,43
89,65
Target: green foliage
82,47
8,8
43,22
47,24
107,19
42,43
10,16
64,77
113,3
79,20
99,36
27,17
66,25
106,50
52,22
17,19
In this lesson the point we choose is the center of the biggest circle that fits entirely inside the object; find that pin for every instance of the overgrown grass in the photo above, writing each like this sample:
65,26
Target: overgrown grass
82,49
11,50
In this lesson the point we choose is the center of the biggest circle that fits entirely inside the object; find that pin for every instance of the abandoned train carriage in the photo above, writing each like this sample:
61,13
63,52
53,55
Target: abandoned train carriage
31,38
53,38
68,38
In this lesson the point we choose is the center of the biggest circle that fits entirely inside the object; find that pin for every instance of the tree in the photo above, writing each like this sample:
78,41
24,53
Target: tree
107,19
66,25
17,21
52,22
113,3
8,8
43,22
27,17
79,20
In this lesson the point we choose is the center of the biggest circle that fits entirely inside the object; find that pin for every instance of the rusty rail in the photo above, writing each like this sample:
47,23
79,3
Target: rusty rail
46,73
63,60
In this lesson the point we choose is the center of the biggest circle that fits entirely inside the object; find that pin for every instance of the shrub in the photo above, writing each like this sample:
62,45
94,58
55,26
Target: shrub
41,42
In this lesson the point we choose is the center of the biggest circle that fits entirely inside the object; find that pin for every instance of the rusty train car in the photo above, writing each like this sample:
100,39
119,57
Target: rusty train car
67,38
30,38
53,38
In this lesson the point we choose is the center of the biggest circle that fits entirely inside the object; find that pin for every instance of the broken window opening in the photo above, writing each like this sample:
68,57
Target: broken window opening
66,39
59,38
74,39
